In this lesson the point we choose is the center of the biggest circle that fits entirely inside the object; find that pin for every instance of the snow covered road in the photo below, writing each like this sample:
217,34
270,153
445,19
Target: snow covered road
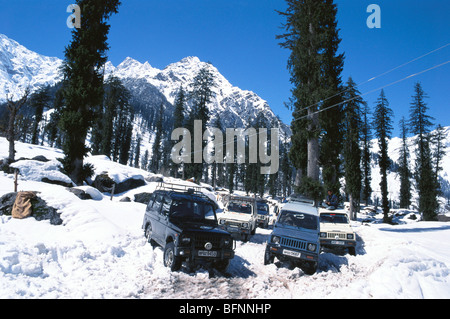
100,252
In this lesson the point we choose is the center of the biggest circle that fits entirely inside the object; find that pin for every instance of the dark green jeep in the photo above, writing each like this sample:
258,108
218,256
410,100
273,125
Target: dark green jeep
182,220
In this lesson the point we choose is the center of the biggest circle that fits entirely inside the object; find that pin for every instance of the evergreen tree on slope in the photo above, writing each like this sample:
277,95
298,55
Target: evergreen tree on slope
382,124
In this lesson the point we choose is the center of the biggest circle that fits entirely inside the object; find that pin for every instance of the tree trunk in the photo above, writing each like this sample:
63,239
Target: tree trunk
313,146
10,133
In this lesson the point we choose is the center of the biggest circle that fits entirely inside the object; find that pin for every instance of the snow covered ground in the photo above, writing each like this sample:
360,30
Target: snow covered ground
100,252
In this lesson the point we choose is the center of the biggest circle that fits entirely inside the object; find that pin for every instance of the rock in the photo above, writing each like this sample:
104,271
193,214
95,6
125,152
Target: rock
130,183
125,199
40,158
103,183
55,182
81,194
142,198
41,211
6,203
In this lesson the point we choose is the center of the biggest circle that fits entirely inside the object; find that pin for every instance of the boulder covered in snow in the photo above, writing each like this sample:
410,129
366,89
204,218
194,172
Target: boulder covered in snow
39,171
104,183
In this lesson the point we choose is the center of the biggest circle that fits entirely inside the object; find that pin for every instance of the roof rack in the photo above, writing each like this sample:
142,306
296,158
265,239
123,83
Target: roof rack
301,199
181,188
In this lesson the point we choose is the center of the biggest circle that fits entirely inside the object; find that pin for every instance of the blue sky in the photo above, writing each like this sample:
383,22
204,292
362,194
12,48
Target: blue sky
238,37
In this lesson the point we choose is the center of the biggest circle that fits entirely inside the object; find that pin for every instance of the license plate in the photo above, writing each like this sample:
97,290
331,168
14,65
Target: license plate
337,242
291,253
207,253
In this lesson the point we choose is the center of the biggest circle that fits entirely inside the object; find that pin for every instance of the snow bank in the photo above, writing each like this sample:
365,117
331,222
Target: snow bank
36,171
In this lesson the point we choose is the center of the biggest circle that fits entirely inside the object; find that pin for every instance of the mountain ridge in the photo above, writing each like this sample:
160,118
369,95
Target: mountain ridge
20,67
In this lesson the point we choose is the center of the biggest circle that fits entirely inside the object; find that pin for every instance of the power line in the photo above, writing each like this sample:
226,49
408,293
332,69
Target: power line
380,75
380,88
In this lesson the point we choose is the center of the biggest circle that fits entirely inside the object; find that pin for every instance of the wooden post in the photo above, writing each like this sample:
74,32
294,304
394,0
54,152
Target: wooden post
112,191
16,173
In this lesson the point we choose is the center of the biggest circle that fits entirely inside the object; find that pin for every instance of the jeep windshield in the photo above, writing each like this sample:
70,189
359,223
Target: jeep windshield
297,220
241,208
333,218
263,209
186,210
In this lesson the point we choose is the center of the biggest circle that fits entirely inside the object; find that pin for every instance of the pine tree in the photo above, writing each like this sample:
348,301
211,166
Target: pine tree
366,136
178,122
404,171
420,124
352,151
315,67
54,133
83,91
382,124
200,96
438,141
39,101
137,151
156,150
14,107
332,115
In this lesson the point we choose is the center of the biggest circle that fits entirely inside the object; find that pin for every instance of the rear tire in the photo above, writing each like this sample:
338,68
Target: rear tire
148,235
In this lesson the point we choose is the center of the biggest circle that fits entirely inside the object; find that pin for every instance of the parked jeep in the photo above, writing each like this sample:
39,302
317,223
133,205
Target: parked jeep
183,221
263,213
295,236
336,231
239,216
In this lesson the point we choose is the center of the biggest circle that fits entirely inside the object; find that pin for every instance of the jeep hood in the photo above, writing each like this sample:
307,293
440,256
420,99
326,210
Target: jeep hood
204,229
236,216
332,227
299,233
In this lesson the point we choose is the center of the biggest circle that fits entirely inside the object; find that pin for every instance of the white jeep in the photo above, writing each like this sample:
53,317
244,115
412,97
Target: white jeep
336,231
239,216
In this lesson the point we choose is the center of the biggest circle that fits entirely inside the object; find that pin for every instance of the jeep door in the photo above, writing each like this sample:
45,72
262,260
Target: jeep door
164,217
157,226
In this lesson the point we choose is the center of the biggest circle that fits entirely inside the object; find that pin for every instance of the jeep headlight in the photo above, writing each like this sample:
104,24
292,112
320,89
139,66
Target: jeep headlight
222,221
323,235
185,240
245,225
350,236
275,239
311,247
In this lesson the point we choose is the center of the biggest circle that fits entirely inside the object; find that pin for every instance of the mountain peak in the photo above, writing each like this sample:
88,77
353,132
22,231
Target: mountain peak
190,60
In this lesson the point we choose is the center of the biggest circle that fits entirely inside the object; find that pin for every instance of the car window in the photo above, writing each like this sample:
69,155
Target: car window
158,203
263,209
240,208
151,201
333,218
166,205
297,219
185,209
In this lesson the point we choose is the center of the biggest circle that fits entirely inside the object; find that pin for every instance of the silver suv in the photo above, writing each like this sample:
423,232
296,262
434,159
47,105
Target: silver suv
295,236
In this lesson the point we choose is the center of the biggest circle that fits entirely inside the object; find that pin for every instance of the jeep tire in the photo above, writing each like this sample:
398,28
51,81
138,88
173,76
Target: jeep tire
148,235
170,260
309,268
221,265
268,257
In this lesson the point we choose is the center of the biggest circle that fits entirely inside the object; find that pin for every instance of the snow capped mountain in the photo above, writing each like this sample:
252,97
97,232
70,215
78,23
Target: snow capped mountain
20,68
235,106
149,86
